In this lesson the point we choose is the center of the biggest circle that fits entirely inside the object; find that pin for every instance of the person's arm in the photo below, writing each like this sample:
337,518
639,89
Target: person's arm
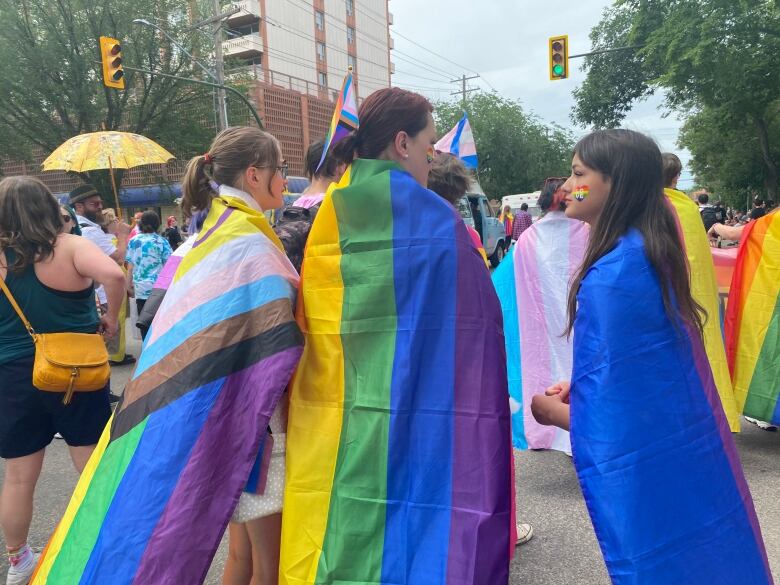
122,232
90,262
130,285
727,232
552,407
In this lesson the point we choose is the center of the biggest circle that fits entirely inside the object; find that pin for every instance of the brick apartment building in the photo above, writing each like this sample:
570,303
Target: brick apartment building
295,54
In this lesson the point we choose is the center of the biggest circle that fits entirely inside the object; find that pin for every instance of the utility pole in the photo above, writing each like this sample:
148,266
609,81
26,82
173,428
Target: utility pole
464,91
219,68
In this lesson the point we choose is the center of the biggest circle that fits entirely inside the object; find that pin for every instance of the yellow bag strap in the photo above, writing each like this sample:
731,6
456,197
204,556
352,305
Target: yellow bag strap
14,304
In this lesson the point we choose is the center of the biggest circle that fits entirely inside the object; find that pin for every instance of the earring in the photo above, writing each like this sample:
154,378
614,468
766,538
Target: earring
406,156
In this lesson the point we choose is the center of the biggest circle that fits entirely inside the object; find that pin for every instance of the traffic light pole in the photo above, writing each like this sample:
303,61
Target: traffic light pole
601,51
209,84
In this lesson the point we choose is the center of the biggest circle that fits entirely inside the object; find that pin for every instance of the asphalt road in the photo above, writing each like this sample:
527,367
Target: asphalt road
563,551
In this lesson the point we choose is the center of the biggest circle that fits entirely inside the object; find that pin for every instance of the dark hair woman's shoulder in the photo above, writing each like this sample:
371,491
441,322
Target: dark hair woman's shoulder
623,261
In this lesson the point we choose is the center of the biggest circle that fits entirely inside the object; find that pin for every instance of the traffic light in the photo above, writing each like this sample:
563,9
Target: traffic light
111,57
559,57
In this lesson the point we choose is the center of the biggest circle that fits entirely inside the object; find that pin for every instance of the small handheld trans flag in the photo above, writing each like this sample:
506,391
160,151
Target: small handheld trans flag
345,117
460,142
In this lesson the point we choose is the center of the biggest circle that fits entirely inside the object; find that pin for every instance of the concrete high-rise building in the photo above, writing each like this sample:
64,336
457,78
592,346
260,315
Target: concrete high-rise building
308,45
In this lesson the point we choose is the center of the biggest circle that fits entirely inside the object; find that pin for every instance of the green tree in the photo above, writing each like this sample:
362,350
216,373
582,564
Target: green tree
727,157
716,55
51,79
516,150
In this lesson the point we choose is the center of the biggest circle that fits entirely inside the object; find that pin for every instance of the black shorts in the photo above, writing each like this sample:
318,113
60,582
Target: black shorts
29,417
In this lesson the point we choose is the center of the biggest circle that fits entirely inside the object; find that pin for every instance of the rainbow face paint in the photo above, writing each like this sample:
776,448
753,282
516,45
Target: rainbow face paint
581,192
430,155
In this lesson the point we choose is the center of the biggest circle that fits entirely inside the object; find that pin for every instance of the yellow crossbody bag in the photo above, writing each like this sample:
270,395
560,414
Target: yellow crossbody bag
66,362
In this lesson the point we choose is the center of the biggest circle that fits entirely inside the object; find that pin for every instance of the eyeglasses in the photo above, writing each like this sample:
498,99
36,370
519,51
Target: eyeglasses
282,169
66,218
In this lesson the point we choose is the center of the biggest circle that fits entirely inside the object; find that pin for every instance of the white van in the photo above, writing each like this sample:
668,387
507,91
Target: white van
515,201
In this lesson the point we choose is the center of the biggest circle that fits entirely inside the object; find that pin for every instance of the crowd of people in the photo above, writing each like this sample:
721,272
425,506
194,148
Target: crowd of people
345,408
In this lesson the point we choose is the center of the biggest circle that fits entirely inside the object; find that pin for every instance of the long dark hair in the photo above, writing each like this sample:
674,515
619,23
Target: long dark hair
30,220
384,114
636,199
233,151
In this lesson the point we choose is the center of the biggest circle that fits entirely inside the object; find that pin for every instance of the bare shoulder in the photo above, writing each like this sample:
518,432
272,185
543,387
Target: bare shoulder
71,243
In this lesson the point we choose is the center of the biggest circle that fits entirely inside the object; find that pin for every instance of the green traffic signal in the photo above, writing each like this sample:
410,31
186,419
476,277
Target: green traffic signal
558,70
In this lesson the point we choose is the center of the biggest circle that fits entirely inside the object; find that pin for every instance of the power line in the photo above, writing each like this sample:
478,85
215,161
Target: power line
463,91
396,33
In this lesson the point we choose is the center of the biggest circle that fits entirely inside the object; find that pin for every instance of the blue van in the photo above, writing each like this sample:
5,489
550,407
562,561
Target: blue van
476,212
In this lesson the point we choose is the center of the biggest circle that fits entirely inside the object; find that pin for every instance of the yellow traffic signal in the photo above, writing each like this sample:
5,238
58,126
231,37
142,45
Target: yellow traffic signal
559,57
111,57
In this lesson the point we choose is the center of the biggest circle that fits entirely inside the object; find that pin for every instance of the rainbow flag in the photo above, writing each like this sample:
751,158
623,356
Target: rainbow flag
753,320
345,117
398,451
652,447
155,498
460,142
704,289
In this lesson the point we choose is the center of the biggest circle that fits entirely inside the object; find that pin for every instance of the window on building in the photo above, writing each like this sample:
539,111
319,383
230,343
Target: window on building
321,51
322,79
352,62
242,31
350,35
254,60
319,20
350,7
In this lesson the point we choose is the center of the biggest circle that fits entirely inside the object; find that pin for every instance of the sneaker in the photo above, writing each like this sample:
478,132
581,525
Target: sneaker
128,359
762,425
20,575
525,532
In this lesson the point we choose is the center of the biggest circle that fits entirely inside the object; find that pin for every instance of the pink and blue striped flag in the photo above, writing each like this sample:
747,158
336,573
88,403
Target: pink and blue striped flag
345,117
460,142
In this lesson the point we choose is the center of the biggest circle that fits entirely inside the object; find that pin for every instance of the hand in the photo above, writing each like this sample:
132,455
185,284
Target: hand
119,228
712,233
561,389
108,327
552,407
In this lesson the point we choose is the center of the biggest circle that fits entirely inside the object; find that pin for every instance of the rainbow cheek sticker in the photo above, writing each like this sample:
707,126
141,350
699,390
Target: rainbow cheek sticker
580,193
430,155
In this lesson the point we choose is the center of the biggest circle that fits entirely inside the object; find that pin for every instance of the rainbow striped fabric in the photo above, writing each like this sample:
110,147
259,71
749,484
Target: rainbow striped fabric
398,450
155,498
704,289
753,320
345,117
652,448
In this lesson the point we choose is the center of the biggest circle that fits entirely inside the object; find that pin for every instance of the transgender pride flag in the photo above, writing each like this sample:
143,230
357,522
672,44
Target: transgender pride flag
460,142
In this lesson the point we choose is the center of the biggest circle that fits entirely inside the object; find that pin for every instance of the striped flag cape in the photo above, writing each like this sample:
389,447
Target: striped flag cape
398,453
460,142
652,448
155,498
704,289
345,117
753,320
544,261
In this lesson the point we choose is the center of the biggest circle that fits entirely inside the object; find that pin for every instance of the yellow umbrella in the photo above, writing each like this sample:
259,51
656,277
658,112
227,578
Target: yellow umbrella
106,150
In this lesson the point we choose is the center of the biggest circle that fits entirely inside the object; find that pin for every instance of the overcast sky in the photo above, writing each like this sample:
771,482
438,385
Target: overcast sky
505,41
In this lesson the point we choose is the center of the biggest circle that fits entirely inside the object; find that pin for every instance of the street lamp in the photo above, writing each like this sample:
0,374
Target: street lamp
222,110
